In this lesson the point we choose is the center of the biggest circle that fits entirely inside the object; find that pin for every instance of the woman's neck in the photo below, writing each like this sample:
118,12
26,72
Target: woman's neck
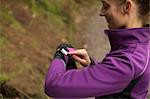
134,23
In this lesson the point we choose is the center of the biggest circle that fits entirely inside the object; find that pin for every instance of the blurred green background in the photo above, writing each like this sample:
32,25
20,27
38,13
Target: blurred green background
30,31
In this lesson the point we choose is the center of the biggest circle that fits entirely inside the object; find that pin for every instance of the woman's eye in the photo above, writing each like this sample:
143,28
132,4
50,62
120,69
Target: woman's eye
105,6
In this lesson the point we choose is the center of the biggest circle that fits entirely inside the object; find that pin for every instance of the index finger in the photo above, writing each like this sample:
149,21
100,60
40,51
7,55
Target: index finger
79,52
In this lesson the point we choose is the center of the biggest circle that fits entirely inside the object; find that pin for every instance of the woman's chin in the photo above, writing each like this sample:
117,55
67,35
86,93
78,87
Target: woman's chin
110,26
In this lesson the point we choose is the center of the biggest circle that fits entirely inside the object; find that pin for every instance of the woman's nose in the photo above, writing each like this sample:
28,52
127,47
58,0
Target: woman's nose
101,12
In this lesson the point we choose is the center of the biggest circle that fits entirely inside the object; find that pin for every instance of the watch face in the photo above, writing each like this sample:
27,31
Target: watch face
64,51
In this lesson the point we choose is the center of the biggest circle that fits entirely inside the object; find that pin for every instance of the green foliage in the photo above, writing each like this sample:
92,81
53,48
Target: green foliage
3,78
35,44
57,15
3,41
9,55
6,15
57,11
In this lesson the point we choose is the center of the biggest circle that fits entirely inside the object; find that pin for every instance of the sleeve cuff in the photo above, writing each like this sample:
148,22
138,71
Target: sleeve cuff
92,61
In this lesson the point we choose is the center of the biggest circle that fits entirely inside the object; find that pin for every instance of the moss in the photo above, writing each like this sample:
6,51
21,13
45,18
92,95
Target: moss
3,42
3,78
7,16
9,55
35,44
57,11
58,14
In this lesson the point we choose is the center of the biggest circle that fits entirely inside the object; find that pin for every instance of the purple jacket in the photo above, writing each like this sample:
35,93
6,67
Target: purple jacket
128,59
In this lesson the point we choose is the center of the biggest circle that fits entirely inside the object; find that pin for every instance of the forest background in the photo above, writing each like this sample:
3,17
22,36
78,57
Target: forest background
31,30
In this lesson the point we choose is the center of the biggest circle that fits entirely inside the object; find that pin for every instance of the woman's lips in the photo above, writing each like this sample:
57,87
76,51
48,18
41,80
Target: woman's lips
108,20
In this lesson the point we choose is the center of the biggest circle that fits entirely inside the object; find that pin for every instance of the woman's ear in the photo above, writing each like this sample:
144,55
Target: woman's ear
127,7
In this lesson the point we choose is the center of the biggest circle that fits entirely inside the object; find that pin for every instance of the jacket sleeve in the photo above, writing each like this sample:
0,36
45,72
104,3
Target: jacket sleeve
110,76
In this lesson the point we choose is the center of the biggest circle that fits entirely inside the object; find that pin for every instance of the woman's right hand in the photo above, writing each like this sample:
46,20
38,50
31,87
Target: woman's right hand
81,56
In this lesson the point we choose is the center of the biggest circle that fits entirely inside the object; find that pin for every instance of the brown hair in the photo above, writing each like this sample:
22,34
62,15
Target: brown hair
143,9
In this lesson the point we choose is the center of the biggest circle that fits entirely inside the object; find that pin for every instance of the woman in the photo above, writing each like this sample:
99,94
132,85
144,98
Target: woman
124,73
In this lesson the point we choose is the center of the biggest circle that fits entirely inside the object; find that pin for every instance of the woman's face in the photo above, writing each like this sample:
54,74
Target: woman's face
113,14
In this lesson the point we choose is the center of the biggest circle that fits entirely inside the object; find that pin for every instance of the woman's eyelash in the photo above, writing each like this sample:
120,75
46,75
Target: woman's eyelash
105,6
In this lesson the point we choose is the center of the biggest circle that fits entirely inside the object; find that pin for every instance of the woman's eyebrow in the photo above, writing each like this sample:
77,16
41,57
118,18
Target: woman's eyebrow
103,1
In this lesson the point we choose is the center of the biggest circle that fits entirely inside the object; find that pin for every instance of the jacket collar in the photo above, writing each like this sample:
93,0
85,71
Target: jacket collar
128,36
